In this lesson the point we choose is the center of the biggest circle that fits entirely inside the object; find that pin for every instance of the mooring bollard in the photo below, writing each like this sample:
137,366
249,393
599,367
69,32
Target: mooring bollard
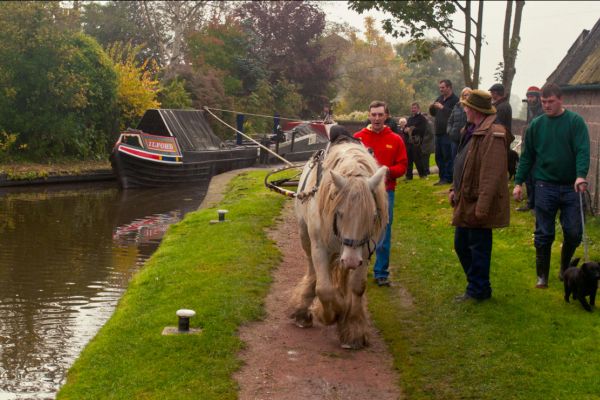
221,217
184,319
183,326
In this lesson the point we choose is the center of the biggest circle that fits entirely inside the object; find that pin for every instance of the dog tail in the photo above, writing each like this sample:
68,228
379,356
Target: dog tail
574,262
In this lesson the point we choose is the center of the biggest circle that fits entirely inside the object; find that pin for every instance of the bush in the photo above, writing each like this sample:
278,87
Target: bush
59,85
353,116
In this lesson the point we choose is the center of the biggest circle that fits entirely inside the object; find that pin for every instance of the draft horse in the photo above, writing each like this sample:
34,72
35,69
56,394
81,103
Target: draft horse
340,220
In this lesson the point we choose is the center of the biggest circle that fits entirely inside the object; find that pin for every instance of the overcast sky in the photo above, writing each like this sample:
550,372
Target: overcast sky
548,30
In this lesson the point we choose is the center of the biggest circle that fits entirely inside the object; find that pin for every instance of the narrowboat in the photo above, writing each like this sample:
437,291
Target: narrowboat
174,147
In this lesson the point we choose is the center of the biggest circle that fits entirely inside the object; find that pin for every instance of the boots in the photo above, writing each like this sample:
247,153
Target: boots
542,265
565,258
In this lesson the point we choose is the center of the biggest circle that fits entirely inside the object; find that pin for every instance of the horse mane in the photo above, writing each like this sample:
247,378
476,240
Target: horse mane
351,160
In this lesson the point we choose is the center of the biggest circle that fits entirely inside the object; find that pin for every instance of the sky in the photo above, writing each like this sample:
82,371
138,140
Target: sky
548,29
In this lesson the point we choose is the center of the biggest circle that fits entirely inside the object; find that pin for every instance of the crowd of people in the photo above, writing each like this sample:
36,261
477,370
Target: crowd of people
471,135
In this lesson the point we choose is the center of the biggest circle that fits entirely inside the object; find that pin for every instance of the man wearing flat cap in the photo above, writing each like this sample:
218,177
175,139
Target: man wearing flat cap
479,193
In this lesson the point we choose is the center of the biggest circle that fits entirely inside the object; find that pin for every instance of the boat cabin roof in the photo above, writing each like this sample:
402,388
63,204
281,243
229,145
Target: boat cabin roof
190,127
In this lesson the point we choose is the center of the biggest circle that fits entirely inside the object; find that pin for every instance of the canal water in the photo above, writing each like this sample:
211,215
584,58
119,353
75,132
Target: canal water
67,254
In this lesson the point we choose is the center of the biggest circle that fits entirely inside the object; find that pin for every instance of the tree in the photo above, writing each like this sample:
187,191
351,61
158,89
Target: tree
227,46
59,87
171,21
413,18
371,71
137,87
511,43
174,95
122,21
424,74
288,34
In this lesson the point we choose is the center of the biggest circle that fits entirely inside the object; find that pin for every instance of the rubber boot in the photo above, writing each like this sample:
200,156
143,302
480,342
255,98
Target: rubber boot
542,265
565,258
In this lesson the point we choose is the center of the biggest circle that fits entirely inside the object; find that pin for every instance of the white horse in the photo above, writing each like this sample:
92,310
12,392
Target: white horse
341,218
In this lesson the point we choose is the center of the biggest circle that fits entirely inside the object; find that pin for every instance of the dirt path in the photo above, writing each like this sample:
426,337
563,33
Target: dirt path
283,361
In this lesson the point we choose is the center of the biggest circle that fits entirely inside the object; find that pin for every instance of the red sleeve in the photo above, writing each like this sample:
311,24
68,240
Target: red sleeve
398,167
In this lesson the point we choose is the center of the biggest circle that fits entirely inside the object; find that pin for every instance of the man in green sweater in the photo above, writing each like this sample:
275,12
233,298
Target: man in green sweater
558,144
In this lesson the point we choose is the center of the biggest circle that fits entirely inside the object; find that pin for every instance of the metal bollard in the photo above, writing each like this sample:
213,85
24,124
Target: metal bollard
184,319
222,215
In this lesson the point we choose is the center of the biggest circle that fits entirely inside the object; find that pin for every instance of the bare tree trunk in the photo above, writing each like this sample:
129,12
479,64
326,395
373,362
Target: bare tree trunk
148,16
510,44
478,43
466,58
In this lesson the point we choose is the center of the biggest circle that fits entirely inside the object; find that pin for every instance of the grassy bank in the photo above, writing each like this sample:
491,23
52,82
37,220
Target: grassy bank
222,272
524,343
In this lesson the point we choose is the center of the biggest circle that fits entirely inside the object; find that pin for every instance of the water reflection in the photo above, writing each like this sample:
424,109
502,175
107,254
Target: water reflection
66,256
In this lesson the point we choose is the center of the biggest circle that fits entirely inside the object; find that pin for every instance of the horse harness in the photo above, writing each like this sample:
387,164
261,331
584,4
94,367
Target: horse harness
302,195
356,243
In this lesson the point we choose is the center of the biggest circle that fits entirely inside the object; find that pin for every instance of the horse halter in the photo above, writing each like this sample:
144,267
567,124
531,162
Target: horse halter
355,243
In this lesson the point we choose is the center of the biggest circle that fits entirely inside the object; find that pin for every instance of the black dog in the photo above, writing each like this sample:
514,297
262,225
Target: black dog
582,282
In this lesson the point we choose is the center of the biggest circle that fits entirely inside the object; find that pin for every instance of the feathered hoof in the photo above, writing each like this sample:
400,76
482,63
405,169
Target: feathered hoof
302,319
357,344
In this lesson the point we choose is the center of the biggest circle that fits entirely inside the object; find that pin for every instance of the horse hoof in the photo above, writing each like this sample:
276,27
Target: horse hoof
303,324
352,346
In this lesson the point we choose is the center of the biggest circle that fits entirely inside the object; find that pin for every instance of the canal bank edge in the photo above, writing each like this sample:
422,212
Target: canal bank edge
218,184
23,174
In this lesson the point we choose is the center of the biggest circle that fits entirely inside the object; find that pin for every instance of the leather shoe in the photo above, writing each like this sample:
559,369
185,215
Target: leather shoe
465,297
441,182
382,282
523,208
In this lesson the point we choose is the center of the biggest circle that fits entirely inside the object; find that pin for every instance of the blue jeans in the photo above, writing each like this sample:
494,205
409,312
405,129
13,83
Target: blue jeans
443,157
474,249
382,251
549,199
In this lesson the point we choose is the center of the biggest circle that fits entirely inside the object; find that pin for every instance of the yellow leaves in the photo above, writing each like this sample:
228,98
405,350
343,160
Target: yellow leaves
137,84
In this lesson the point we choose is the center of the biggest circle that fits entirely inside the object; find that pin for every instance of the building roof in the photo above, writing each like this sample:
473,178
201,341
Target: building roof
581,65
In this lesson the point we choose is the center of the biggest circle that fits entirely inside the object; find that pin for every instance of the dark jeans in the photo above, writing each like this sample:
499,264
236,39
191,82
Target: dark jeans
474,249
443,157
549,199
530,186
414,155
454,146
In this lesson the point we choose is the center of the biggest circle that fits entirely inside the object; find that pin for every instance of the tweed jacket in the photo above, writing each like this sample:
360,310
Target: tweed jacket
482,200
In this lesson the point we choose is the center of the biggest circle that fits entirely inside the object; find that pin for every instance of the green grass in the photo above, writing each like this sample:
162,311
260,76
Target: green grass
222,271
524,343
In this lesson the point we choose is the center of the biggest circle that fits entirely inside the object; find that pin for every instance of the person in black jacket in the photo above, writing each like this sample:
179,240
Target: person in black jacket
415,129
441,110
503,108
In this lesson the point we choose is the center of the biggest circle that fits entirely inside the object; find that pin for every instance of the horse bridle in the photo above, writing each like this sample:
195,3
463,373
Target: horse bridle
356,243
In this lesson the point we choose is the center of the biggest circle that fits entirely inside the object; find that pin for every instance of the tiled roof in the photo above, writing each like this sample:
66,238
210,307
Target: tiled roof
581,65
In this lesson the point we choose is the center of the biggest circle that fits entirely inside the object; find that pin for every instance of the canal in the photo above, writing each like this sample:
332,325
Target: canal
67,253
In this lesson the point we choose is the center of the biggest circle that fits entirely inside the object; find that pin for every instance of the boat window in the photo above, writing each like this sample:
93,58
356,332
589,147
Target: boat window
132,140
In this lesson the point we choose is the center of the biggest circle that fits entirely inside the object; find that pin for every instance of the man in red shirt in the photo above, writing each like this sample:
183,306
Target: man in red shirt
389,150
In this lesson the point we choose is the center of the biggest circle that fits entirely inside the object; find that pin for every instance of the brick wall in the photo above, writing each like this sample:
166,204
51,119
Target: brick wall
587,104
